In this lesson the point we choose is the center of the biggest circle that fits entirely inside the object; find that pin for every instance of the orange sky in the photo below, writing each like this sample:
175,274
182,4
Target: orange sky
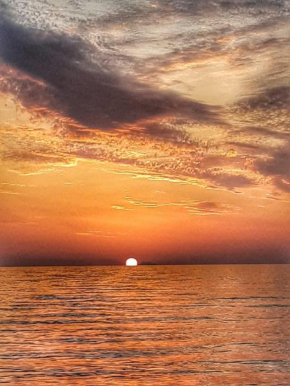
170,145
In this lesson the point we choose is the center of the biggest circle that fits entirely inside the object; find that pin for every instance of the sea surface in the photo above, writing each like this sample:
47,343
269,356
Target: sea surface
145,325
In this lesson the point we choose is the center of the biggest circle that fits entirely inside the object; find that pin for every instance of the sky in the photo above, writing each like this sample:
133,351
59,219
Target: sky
157,129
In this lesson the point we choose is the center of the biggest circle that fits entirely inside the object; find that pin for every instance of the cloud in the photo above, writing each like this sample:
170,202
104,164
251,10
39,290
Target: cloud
148,13
277,166
63,78
228,180
193,207
170,131
77,84
201,7
268,99
265,132
219,34
245,146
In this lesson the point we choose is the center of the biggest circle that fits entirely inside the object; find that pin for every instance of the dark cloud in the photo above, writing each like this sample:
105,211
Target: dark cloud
277,166
248,4
201,6
145,13
272,105
267,99
169,132
245,146
252,139
80,89
265,132
228,180
210,207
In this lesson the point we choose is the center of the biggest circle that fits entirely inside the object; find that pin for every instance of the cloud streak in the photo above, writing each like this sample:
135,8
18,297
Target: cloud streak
193,207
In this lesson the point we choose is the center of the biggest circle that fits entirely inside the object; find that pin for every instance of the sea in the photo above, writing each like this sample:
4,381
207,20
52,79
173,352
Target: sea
145,325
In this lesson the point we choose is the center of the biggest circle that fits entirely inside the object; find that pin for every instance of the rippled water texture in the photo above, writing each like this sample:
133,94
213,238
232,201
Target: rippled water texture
150,325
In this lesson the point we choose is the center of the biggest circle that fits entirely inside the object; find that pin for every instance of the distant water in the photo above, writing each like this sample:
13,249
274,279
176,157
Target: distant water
157,325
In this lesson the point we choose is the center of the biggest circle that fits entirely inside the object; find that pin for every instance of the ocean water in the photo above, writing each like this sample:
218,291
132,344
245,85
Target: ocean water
146,325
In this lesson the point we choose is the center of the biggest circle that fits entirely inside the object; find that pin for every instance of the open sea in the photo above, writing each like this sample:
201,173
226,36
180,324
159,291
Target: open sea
145,325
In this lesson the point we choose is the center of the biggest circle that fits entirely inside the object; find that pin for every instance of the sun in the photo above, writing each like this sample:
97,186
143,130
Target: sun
131,262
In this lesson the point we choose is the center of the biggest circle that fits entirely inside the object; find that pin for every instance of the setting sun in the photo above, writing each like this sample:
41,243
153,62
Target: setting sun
131,262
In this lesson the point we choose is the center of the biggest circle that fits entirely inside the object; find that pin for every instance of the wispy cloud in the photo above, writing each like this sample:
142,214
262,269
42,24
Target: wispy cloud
193,207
